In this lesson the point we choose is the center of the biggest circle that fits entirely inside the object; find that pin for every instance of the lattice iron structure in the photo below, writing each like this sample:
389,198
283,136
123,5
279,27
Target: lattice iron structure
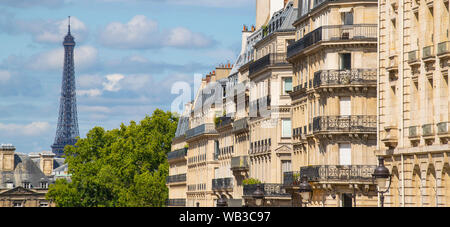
67,130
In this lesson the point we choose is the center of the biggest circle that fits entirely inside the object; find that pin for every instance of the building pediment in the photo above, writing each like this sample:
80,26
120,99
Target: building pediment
283,149
18,191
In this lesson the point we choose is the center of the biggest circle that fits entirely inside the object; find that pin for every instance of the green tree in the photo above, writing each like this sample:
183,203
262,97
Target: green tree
122,167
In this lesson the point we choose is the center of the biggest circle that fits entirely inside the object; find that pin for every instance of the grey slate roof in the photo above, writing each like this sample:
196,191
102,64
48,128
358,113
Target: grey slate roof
26,169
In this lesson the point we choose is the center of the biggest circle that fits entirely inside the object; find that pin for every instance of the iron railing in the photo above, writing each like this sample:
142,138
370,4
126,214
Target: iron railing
299,88
177,154
240,163
338,172
202,129
428,52
176,202
176,178
353,123
334,33
444,48
268,60
223,121
260,146
269,190
428,130
317,3
222,183
240,125
345,77
291,178
297,131
442,128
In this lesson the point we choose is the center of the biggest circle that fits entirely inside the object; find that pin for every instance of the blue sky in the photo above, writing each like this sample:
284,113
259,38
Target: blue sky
128,55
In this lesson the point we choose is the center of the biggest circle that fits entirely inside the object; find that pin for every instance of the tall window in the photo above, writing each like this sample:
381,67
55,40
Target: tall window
286,128
287,87
345,154
347,18
345,61
345,106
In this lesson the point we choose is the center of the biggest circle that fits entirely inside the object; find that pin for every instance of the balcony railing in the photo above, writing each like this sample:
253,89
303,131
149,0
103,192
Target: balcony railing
176,178
442,128
413,56
222,183
428,52
297,131
240,163
269,190
413,132
268,60
291,178
345,77
428,130
223,121
354,123
176,202
444,48
334,33
299,88
323,173
202,129
240,125
177,154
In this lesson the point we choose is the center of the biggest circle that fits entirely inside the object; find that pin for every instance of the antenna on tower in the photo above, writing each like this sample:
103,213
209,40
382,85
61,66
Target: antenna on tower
69,24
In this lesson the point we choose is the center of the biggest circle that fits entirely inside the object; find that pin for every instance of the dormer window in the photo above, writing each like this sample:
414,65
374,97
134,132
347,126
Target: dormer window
44,184
9,185
26,184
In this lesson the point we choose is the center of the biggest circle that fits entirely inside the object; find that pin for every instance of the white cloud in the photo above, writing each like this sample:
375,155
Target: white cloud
55,31
85,57
112,83
4,76
143,33
89,80
32,129
90,92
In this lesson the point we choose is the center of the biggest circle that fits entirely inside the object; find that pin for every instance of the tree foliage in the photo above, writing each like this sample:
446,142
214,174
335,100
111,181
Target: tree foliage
122,167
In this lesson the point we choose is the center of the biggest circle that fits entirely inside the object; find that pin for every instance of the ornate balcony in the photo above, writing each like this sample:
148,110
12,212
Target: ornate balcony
223,122
413,132
413,57
201,130
239,163
291,178
177,154
428,130
326,78
222,184
442,131
269,190
353,123
338,173
444,50
357,32
278,59
176,178
428,54
240,125
176,202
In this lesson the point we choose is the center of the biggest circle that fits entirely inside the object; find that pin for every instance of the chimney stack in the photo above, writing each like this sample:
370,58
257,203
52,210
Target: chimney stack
7,157
46,162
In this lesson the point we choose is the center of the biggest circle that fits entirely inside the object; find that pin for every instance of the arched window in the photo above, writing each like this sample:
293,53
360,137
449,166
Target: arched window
416,182
431,187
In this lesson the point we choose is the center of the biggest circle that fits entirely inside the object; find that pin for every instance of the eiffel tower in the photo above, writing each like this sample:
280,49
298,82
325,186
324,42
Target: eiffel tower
67,130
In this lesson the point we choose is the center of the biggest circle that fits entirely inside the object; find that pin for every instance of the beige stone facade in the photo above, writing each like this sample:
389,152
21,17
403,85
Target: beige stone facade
334,101
413,101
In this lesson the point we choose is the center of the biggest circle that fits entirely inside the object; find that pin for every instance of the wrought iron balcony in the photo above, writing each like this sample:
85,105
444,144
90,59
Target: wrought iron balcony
428,130
442,128
222,183
291,178
413,56
413,132
202,129
444,48
176,178
240,163
268,60
345,77
240,125
339,173
353,123
269,190
428,52
297,131
223,121
176,202
334,33
299,88
180,153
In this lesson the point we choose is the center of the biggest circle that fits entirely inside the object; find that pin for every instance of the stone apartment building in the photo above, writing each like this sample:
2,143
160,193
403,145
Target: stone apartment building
413,100
24,178
334,101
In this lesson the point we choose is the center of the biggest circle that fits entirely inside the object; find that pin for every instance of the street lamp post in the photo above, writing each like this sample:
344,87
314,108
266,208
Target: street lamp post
381,175
258,195
305,190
